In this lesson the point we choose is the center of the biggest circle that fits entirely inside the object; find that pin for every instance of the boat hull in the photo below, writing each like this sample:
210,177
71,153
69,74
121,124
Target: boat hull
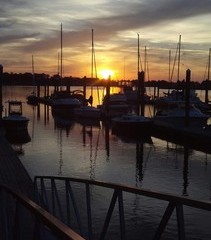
133,126
181,121
13,124
16,131
88,112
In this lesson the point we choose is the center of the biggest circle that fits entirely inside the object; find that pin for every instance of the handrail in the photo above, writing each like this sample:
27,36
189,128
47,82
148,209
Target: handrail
144,192
56,226
174,203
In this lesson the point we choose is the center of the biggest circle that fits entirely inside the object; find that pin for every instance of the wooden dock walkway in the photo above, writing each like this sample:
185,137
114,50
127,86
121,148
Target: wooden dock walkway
12,172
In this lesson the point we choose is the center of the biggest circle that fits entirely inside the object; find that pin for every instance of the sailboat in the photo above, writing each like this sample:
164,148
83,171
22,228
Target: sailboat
85,110
171,108
134,124
32,98
63,102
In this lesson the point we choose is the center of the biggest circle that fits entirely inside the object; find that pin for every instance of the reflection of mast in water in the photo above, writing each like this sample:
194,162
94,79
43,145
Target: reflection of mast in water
38,111
46,114
185,171
33,122
140,162
60,153
92,157
107,139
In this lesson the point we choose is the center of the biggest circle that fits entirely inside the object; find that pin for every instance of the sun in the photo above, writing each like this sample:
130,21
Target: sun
106,73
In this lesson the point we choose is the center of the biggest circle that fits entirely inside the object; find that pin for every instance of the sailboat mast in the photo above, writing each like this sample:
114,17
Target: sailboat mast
33,79
169,65
92,67
138,54
178,69
32,65
208,78
208,72
61,57
145,59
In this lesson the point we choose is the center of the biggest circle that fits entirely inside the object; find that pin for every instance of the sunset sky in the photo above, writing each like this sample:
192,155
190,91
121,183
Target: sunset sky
33,28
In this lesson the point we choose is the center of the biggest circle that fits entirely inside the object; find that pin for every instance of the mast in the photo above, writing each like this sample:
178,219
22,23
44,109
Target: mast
33,79
61,57
140,92
208,72
169,65
92,54
92,70
208,78
145,59
138,53
178,69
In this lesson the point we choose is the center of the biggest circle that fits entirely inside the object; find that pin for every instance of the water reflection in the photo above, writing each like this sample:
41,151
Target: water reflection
185,171
78,148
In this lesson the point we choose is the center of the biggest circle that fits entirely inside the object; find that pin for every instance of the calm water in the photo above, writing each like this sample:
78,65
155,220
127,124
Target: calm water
71,149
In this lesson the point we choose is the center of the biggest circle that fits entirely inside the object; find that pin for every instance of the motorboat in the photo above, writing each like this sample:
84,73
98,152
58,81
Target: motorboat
132,95
114,105
178,114
88,112
132,124
32,99
15,118
64,103
177,96
15,124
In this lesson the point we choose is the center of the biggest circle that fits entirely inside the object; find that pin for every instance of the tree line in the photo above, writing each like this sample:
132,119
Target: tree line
28,79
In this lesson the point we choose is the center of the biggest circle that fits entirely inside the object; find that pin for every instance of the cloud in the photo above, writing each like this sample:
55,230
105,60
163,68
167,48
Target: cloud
34,26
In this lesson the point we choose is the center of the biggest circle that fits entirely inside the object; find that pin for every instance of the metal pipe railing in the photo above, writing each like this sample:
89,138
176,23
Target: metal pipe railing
174,203
40,216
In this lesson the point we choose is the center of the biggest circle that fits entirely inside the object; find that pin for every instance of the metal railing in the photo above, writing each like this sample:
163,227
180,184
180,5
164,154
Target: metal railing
22,218
56,194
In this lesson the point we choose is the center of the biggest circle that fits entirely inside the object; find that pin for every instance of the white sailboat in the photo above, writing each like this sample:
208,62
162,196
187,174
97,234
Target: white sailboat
134,124
85,110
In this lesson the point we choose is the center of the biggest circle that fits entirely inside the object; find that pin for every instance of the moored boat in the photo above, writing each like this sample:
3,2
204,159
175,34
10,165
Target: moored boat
114,105
131,124
178,114
15,124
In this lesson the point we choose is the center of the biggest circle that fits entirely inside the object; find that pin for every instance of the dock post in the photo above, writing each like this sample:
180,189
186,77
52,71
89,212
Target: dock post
1,79
187,97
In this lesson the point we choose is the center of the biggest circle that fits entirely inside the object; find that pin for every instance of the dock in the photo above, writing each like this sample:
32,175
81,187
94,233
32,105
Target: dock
12,172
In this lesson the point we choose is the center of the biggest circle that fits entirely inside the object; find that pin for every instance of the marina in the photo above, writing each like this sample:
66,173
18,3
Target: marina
88,149
105,120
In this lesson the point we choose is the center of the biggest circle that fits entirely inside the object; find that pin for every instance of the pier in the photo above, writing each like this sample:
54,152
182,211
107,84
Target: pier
12,172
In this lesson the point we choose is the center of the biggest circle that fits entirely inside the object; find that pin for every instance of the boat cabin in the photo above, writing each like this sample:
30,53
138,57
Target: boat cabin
15,107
